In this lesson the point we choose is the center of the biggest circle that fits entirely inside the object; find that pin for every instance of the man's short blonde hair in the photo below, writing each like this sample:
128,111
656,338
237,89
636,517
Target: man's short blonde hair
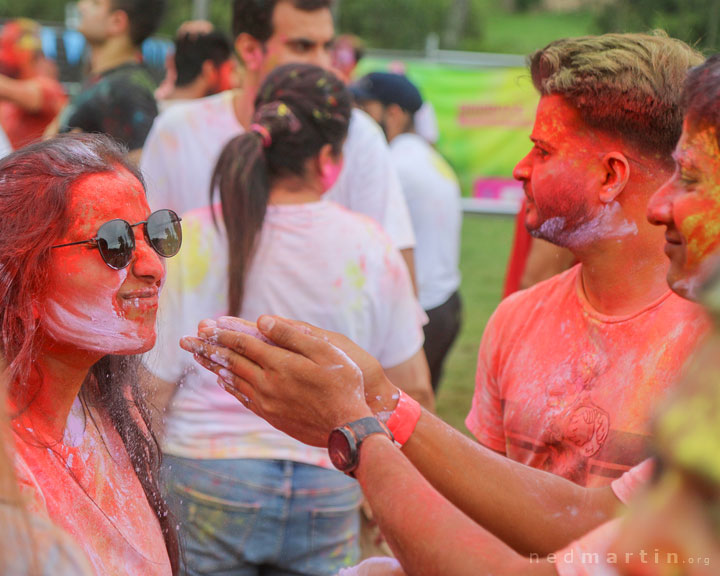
628,85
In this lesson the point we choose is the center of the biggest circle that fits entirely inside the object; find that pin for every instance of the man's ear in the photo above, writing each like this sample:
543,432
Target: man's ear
250,51
210,73
616,168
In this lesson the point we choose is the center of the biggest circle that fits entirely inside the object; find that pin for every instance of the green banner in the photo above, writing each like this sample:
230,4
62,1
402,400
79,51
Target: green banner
485,115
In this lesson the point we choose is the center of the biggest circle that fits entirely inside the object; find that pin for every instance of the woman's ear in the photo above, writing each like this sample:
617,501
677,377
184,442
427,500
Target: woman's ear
329,166
617,173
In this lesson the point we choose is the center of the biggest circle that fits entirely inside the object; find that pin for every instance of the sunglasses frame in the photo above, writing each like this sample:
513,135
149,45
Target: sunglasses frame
94,241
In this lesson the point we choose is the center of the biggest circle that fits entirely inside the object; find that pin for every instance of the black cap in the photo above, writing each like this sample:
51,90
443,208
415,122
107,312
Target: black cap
389,89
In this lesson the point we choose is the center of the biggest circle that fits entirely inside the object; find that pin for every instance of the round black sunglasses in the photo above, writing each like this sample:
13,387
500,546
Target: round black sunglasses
115,240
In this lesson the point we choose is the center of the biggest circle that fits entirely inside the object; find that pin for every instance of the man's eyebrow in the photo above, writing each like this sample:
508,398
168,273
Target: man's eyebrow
302,41
541,142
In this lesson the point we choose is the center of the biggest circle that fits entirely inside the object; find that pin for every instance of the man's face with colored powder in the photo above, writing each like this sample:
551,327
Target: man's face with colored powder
299,37
562,175
688,205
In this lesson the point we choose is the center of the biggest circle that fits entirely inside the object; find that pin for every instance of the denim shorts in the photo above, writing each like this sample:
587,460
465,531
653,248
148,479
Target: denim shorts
263,517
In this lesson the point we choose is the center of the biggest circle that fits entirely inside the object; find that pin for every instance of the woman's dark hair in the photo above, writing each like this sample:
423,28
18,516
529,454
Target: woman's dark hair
299,109
35,192
701,95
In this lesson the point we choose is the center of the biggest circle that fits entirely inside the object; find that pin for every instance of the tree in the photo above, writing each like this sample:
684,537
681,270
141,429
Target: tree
694,21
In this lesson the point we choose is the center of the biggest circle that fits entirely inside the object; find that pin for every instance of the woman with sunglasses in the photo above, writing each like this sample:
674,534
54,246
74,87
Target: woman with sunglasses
80,273
247,495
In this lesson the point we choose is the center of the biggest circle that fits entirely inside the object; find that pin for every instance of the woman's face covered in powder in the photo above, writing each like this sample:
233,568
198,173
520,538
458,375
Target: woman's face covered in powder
89,306
688,205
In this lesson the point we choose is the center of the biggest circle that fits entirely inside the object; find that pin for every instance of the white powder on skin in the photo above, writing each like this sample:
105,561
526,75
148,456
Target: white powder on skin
608,224
92,321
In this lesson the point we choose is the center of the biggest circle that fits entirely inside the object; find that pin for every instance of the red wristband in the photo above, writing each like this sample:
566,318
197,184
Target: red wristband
404,418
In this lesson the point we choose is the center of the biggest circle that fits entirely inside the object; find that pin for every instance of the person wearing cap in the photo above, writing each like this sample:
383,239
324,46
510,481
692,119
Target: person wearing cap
433,195
29,100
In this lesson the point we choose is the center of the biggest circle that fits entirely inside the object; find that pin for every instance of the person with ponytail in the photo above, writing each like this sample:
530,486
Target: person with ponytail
80,272
250,499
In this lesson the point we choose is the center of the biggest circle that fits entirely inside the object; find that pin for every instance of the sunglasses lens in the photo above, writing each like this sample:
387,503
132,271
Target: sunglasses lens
164,232
116,243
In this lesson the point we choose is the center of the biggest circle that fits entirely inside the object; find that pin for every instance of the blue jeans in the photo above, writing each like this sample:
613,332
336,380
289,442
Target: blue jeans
263,517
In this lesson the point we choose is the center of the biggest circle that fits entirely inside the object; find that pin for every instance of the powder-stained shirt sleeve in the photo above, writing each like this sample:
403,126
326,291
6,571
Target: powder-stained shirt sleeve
398,315
485,419
157,164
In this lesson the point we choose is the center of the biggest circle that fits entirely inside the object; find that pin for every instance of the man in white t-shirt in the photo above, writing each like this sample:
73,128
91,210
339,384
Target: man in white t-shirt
432,192
184,144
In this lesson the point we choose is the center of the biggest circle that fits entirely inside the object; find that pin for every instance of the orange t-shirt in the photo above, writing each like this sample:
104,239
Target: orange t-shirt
566,389
23,127
88,487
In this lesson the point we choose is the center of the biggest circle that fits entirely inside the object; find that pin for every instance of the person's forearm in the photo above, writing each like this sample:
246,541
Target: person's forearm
24,93
531,510
427,533
413,377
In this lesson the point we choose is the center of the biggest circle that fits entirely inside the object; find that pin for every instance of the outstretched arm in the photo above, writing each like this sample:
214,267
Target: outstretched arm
306,388
28,94
531,510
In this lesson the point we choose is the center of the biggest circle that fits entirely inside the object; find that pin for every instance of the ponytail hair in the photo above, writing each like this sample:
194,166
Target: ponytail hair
299,109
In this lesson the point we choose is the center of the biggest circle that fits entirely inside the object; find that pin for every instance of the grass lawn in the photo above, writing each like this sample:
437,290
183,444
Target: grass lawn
486,242
525,32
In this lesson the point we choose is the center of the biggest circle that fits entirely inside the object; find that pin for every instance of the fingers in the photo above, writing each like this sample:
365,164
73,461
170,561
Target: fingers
356,353
238,387
218,356
207,324
240,325
296,339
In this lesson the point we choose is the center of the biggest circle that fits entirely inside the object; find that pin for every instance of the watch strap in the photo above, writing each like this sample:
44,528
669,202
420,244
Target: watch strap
404,418
355,432
367,426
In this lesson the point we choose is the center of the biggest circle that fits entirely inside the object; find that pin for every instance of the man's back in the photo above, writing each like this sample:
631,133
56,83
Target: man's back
183,146
432,193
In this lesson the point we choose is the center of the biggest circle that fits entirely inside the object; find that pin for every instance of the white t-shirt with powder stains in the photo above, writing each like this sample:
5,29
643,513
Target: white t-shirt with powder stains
315,262
432,193
186,140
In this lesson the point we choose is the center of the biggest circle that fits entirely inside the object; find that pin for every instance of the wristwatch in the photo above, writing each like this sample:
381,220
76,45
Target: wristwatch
344,442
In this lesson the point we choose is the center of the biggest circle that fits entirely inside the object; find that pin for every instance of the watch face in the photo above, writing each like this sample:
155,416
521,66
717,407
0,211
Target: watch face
342,454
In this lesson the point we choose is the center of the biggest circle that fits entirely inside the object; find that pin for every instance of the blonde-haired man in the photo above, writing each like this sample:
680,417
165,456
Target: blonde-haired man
570,369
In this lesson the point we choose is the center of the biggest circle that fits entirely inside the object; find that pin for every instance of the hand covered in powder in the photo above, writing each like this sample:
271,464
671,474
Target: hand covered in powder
380,394
301,384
